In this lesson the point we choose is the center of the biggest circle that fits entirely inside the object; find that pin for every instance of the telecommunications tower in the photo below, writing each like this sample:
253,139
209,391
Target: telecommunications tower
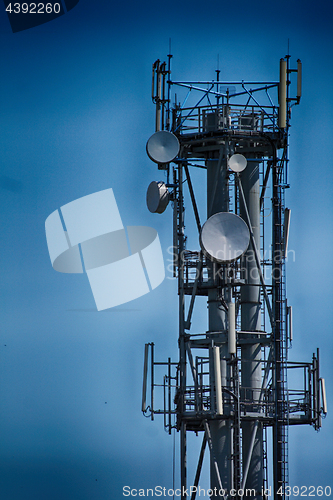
229,384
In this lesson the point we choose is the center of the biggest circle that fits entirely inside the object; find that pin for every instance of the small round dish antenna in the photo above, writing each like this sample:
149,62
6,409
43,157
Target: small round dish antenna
224,237
237,163
162,147
157,197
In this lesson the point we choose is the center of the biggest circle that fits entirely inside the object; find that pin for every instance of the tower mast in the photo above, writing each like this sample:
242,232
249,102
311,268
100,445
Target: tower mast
230,382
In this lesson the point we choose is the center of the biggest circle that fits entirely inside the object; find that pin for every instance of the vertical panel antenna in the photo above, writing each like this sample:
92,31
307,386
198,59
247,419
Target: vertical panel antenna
299,80
283,94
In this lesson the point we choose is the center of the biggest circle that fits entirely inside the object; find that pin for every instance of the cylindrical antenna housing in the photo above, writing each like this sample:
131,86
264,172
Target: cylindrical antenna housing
287,213
158,97
218,382
144,383
283,94
232,328
323,395
299,80
290,323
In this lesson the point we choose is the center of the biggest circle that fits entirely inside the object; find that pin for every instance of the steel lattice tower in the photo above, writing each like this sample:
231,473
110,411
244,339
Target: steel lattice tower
230,382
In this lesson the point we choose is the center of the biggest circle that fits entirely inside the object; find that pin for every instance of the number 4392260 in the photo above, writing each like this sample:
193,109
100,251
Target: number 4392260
33,8
304,491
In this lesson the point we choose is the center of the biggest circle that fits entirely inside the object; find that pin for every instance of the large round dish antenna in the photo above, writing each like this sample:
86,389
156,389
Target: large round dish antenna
162,147
224,237
157,197
237,163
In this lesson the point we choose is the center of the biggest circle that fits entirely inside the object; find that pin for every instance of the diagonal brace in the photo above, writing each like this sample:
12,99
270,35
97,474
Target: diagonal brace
212,454
199,467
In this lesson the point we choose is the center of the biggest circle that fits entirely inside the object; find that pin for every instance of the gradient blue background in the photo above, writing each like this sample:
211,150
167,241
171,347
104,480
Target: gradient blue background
76,113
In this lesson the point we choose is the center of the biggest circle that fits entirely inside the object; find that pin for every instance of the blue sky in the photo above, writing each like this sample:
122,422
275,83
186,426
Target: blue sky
76,113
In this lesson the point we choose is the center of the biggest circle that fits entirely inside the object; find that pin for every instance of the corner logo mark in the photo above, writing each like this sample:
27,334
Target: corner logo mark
121,264
25,15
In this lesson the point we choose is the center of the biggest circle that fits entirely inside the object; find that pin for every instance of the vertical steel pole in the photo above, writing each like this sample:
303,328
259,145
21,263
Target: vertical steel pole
218,201
278,446
251,322
182,345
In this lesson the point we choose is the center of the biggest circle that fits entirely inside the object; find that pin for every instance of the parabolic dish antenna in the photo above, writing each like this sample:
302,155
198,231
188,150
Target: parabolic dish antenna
224,237
157,197
237,163
162,147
